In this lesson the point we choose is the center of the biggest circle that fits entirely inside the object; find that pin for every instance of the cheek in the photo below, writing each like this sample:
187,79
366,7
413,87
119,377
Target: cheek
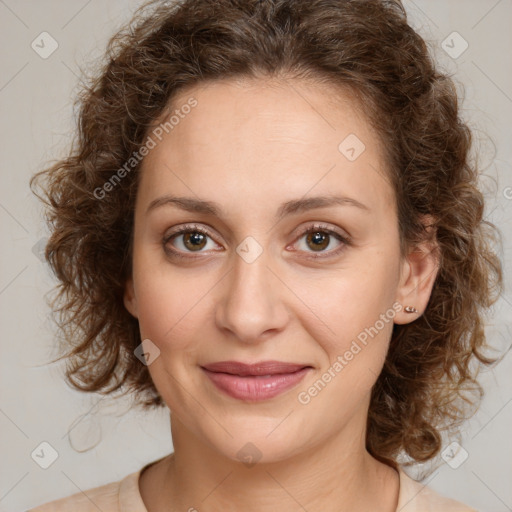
354,333
351,312
172,306
171,315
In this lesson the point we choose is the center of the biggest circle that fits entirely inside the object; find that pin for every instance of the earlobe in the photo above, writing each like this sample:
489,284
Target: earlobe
419,272
129,299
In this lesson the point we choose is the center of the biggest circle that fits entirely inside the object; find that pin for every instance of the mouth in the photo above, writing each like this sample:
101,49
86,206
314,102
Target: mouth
255,382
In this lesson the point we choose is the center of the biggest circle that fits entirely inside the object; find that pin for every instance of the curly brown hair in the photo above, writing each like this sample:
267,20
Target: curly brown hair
364,46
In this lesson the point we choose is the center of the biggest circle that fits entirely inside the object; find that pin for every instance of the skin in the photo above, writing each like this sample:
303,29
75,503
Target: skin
251,146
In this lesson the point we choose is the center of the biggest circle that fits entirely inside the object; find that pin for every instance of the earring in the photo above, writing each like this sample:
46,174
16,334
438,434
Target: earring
410,309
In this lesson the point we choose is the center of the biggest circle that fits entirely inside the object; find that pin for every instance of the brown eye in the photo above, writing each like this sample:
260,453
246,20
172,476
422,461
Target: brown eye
318,240
194,241
184,241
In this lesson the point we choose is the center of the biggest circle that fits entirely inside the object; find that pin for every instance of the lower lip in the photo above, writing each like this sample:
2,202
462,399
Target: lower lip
255,389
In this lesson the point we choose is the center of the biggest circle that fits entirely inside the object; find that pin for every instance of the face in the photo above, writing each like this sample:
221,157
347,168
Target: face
285,249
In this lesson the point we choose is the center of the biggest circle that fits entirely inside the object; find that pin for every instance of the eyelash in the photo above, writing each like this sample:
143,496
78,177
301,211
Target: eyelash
318,227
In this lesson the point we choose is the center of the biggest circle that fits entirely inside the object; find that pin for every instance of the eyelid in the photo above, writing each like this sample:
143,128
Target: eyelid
322,226
186,228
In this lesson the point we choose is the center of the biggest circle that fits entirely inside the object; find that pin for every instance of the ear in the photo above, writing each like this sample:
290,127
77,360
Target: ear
129,299
418,273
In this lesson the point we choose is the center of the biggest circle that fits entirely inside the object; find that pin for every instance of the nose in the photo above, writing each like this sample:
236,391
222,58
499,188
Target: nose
252,307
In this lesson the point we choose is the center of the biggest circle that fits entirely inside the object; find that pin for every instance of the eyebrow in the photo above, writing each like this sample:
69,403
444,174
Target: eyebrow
191,204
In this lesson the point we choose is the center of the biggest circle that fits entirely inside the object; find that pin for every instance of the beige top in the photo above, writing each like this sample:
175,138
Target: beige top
124,496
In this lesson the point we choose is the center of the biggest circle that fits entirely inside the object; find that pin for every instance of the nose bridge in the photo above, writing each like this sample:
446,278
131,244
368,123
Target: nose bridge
252,303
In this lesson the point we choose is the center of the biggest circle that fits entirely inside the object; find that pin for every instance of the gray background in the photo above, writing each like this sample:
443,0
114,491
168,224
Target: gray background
101,440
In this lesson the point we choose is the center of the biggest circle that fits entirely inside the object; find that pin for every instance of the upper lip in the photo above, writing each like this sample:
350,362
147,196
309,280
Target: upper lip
255,369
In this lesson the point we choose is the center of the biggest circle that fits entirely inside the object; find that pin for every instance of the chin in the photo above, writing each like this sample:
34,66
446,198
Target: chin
256,441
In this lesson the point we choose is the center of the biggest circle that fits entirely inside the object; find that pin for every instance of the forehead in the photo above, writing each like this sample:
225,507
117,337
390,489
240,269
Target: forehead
261,139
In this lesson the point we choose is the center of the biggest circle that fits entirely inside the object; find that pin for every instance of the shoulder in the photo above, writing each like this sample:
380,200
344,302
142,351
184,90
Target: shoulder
417,497
120,496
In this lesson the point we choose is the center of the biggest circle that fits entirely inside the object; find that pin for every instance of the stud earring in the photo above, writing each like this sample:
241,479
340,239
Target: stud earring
410,309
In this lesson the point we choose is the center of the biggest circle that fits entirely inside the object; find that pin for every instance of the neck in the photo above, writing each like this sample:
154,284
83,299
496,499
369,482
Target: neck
338,475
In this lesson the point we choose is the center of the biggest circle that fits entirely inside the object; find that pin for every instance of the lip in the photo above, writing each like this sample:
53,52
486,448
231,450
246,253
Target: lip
257,381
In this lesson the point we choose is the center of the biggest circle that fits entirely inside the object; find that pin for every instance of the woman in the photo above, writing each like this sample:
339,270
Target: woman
270,225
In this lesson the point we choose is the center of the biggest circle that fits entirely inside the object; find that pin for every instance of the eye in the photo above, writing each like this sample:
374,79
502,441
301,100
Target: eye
187,239
319,237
